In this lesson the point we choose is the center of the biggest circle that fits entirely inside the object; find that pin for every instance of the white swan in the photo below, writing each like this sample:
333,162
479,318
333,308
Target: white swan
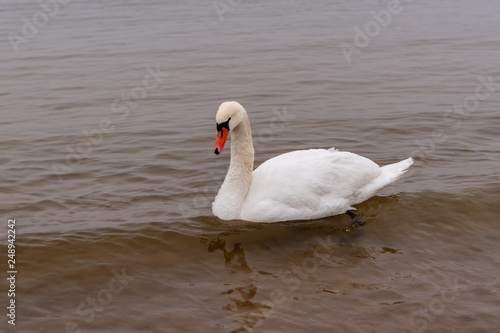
300,185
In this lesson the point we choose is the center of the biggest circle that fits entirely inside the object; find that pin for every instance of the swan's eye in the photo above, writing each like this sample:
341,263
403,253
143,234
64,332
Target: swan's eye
223,125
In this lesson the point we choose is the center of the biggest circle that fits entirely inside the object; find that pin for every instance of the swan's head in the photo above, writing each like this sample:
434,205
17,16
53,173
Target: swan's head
229,115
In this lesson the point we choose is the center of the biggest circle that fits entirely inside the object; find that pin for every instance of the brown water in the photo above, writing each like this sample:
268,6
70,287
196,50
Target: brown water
133,199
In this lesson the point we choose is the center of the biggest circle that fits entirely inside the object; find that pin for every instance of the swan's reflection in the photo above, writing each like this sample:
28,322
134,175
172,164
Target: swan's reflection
309,252
242,309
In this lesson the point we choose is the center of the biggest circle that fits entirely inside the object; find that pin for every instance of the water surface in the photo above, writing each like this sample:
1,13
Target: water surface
109,170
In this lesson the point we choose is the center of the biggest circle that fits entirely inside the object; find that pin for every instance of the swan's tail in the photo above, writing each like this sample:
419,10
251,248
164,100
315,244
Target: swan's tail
393,172
389,174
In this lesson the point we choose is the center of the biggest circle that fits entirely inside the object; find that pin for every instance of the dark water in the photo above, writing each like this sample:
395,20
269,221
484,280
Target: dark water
107,165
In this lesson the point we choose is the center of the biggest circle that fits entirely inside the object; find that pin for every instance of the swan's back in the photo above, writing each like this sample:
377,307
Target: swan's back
309,184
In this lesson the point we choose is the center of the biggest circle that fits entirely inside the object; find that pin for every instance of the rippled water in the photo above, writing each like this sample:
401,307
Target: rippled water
107,165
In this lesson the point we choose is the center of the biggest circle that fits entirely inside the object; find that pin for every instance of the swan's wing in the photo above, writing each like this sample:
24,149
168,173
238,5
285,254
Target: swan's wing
307,184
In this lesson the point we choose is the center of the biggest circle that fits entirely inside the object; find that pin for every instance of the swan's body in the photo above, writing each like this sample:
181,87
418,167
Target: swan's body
300,185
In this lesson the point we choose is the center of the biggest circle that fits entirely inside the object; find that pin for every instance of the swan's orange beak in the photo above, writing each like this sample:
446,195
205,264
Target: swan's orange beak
221,140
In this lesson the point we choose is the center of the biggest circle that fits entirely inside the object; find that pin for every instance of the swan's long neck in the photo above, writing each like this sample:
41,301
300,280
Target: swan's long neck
239,176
